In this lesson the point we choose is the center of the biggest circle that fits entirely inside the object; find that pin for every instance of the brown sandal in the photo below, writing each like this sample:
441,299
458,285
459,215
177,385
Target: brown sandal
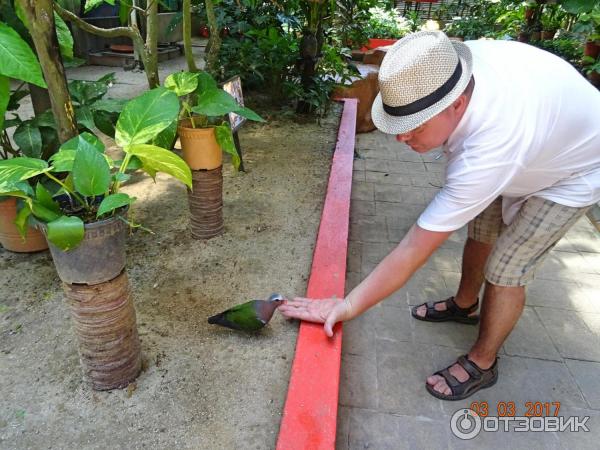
452,312
478,379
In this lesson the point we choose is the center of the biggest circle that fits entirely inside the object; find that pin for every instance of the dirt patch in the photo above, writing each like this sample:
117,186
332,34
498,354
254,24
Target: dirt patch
202,387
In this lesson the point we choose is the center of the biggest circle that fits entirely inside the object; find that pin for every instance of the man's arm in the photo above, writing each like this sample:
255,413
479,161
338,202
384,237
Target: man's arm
389,275
396,268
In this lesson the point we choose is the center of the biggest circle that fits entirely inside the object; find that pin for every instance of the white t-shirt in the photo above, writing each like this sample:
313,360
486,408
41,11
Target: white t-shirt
532,128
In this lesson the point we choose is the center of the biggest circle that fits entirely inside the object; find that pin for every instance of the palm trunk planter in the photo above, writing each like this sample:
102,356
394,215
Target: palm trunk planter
10,237
105,324
204,135
206,203
203,154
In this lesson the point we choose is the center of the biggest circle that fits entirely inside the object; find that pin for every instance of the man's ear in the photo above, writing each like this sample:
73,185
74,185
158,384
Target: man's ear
460,104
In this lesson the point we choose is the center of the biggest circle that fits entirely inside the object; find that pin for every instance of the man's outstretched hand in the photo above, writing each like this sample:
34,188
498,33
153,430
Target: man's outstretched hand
328,311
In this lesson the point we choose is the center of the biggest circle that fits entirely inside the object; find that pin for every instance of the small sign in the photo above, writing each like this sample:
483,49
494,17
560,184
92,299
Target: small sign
233,87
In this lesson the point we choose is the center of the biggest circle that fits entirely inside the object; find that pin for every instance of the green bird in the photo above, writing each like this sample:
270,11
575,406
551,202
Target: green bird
249,316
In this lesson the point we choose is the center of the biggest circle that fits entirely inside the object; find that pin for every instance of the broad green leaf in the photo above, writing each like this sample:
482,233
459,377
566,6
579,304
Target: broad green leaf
15,98
19,189
43,213
46,119
120,177
21,220
4,98
205,82
182,83
145,116
21,168
62,161
114,201
91,172
84,117
216,102
73,62
113,105
578,6
125,7
105,121
166,138
133,164
86,92
45,199
66,232
18,60
82,140
108,78
248,114
225,141
158,159
29,139
12,122
91,4
65,38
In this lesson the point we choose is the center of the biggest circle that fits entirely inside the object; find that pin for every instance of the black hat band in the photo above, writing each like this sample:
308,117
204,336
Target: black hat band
428,100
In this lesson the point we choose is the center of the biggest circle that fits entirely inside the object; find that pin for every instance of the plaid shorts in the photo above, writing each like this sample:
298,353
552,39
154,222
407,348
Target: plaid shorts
519,248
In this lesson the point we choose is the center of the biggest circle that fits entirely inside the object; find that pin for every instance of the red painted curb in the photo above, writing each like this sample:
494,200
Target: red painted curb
310,412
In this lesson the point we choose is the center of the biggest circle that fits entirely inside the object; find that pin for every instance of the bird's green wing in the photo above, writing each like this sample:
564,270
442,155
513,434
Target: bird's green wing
245,316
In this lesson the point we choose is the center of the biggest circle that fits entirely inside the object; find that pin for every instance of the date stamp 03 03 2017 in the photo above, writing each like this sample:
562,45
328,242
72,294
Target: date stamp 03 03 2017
467,423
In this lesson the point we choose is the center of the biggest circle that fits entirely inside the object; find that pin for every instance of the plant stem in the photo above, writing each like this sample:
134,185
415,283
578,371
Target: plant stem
79,198
122,169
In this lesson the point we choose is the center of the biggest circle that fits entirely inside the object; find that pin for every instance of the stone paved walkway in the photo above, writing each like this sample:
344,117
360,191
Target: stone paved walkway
553,355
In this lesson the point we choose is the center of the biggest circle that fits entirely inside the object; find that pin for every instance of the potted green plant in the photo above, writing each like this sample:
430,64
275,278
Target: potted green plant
592,69
80,184
588,23
76,199
201,128
551,20
204,135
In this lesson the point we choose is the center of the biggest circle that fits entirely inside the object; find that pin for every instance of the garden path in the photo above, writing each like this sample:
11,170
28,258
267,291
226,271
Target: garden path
553,355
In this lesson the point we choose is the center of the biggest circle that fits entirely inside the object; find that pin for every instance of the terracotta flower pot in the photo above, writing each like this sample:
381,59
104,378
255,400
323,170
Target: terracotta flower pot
9,234
594,78
548,35
591,49
199,147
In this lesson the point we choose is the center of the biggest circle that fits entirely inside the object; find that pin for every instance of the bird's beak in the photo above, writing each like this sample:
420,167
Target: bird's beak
276,298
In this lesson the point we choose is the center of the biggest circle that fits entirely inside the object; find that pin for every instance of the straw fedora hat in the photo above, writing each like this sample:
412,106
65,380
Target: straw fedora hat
421,75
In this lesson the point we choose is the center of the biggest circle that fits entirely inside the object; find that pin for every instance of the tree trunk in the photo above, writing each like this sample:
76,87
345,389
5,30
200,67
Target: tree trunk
151,60
40,18
131,32
187,36
214,42
308,61
40,99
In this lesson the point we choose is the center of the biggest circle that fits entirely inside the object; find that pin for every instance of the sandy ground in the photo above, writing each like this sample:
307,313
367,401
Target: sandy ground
202,387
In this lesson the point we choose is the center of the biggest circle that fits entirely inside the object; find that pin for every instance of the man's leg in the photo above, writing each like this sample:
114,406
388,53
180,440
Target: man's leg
519,250
483,231
475,254
501,308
